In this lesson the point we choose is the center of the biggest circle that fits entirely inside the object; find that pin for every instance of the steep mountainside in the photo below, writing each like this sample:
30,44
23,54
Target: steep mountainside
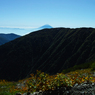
4,38
48,50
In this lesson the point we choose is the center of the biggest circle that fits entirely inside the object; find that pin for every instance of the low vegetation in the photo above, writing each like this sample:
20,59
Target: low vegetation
43,82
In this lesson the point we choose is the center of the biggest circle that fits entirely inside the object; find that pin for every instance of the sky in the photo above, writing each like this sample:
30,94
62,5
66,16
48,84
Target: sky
57,13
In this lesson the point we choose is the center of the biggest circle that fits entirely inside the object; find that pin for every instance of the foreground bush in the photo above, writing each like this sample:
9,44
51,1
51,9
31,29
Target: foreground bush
45,82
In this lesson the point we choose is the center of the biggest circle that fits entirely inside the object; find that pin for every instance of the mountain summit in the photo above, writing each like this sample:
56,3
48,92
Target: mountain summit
46,26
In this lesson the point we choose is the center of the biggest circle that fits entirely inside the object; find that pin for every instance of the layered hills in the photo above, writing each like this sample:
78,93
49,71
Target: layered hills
4,38
48,50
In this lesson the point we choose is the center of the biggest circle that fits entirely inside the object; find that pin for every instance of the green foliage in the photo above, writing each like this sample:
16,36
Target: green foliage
78,67
93,66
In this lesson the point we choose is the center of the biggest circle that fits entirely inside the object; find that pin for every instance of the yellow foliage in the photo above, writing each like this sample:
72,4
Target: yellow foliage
43,81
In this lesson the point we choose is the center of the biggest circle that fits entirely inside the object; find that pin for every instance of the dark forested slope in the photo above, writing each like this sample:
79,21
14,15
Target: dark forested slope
48,50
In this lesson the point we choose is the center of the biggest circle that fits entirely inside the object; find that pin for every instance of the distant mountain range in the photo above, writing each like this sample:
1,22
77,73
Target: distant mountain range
22,31
4,38
49,50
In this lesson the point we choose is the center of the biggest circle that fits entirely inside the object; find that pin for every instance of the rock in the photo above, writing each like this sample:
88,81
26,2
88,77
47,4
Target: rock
24,94
35,93
76,85
93,74
84,89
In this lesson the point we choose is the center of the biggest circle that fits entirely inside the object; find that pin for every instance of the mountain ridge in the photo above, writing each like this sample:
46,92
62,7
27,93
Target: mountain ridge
48,50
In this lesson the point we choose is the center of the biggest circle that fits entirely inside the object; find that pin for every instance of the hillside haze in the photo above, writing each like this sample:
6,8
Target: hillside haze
48,50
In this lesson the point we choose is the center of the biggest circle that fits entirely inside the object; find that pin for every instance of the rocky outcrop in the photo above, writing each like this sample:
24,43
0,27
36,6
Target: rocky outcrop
85,88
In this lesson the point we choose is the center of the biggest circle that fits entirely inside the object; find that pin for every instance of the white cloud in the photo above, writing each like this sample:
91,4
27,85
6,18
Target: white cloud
22,27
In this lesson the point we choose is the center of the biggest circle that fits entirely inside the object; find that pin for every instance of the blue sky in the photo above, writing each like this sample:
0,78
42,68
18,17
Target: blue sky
57,13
